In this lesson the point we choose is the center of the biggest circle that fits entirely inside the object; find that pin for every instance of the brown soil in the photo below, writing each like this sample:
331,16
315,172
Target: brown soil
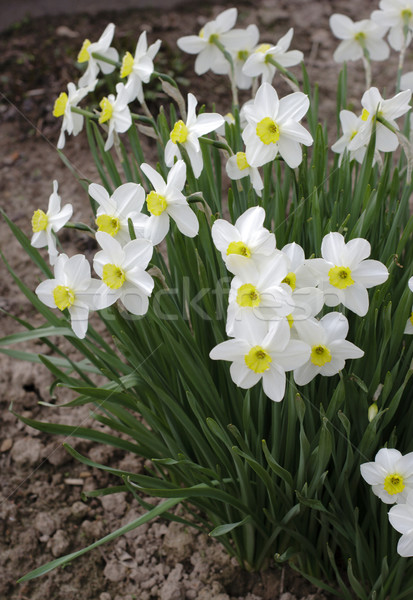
41,512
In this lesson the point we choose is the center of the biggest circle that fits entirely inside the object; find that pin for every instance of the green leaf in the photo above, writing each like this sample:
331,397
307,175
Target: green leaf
64,560
227,527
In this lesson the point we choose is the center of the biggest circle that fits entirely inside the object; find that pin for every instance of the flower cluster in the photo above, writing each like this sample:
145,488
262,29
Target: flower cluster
391,478
126,237
378,115
275,297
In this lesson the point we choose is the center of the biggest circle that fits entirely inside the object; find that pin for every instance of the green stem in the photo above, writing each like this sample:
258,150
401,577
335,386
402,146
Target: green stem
85,113
102,58
165,77
367,67
80,227
220,145
401,58
283,70
228,56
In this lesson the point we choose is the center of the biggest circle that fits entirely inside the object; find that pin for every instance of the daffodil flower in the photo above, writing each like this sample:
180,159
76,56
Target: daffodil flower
390,475
396,15
344,274
209,55
72,288
259,296
166,201
122,270
273,127
188,133
389,110
115,113
139,68
240,51
259,63
237,167
358,38
44,224
94,65
401,518
114,211
267,358
247,241
72,122
329,348
351,125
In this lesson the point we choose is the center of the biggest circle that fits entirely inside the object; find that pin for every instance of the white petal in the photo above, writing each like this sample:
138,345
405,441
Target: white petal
138,253
45,292
79,314
206,123
273,383
370,273
294,106
230,350
401,518
356,299
155,178
294,355
156,228
335,325
306,373
342,26
290,151
129,197
177,175
192,44
134,301
405,545
185,219
332,248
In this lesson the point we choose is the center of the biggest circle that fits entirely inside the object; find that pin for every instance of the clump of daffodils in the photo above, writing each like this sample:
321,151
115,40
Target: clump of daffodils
290,284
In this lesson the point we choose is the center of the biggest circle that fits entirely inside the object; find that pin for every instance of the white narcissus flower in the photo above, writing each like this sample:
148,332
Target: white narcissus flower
188,133
299,275
72,288
329,348
396,14
391,109
358,37
268,358
72,122
237,167
259,61
209,55
102,47
166,201
273,127
123,273
139,68
351,125
247,241
409,325
240,52
344,274
116,113
390,475
113,211
258,296
401,518
45,224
